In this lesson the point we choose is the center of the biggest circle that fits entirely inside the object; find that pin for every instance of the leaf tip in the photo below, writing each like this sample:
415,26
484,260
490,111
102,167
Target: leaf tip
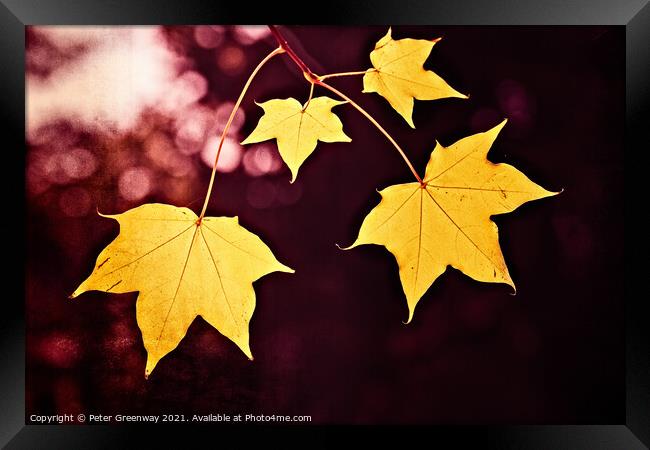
77,292
151,364
336,103
349,247
385,39
108,216
247,350
498,127
294,168
286,269
547,193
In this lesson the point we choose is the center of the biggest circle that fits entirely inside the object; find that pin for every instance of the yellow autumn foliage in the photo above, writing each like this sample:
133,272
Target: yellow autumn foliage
446,221
182,269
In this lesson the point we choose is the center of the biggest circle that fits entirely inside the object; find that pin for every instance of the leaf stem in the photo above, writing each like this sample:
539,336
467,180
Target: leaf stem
315,79
277,51
346,74
311,94
372,120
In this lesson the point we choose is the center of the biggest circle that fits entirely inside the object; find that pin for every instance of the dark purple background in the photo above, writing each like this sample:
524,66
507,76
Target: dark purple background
329,340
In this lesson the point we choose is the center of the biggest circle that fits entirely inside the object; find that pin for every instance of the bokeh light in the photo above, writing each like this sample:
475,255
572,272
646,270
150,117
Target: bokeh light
261,193
161,150
208,36
192,127
135,183
188,88
230,157
54,168
231,60
223,113
249,34
288,194
121,338
59,349
55,134
516,103
261,159
75,202
78,163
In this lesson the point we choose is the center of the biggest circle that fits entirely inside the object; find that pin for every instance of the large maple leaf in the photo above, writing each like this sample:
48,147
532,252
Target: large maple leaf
183,268
446,220
298,128
399,75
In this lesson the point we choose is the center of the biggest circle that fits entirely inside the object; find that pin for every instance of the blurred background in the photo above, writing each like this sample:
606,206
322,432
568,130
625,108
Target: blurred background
121,116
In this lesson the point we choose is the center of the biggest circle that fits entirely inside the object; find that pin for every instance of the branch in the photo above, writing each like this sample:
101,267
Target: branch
315,79
294,57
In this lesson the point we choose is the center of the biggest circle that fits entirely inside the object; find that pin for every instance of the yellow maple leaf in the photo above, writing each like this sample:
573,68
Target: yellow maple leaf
297,128
183,268
399,75
446,221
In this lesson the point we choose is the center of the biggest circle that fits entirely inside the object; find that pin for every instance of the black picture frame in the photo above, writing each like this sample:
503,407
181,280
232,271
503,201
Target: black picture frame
634,15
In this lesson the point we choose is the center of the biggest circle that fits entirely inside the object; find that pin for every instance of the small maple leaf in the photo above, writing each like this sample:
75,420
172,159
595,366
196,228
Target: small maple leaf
399,75
297,128
446,220
183,268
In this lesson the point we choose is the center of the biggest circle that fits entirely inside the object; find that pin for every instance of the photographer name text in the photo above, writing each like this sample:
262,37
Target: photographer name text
165,418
